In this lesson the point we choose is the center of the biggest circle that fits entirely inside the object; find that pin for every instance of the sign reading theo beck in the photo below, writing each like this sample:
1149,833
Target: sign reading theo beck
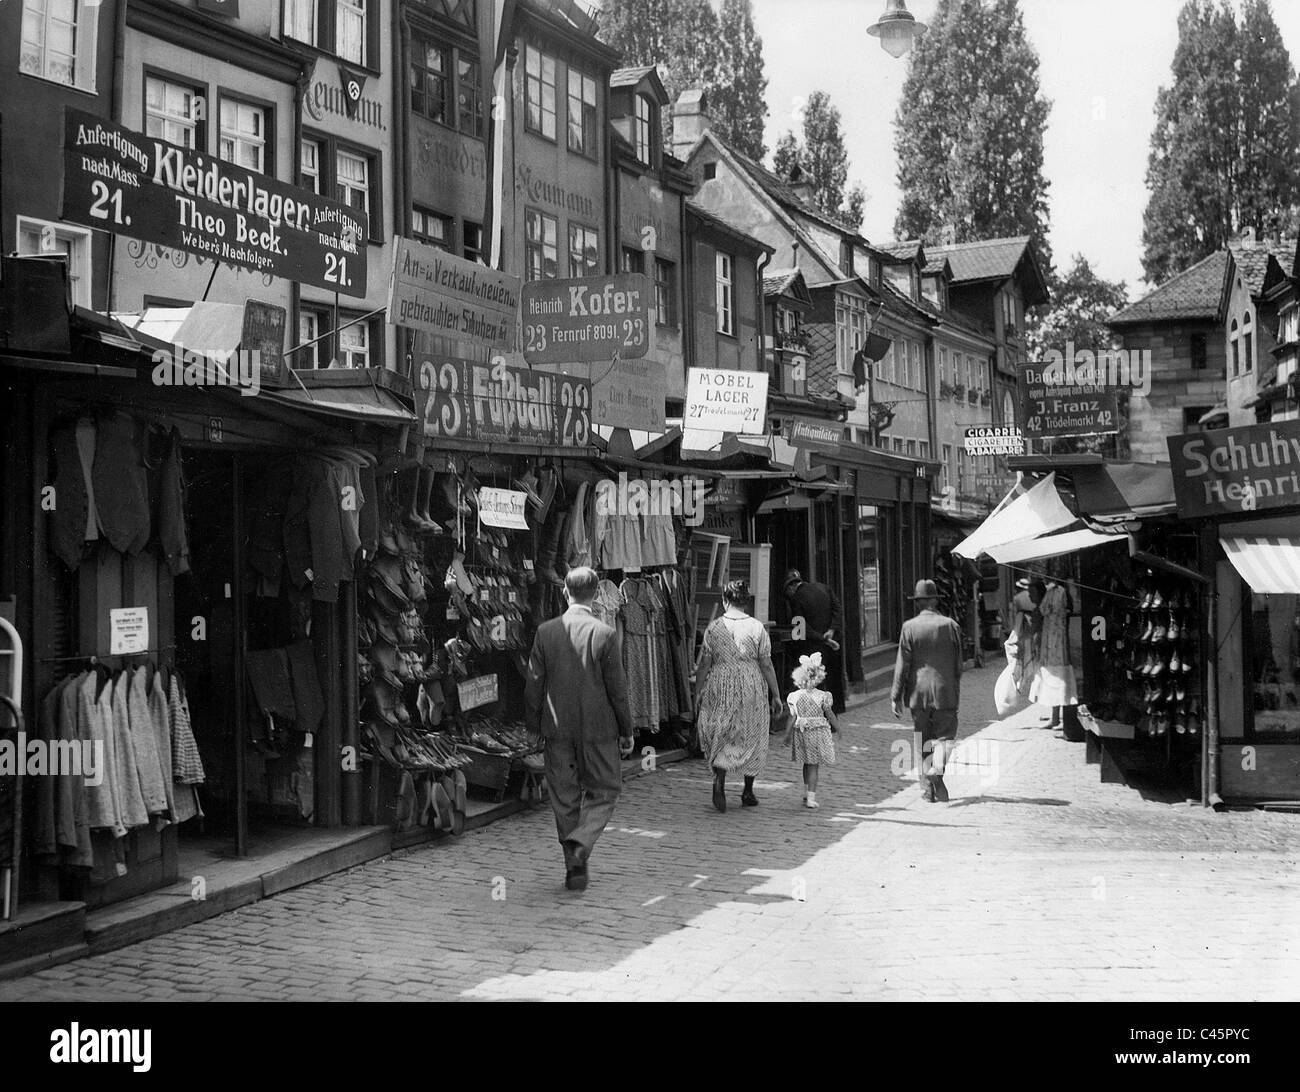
467,400
586,319
124,182
442,294
1234,470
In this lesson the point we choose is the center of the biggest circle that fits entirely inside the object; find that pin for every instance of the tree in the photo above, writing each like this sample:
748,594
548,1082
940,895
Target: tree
821,159
1081,303
693,47
737,102
1226,143
968,133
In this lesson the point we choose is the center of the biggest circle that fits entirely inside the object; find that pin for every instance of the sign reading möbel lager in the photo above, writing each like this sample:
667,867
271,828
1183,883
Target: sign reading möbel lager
1234,470
127,183
586,319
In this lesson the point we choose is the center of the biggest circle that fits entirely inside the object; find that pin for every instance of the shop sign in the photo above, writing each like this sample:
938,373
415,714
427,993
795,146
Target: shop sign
263,333
439,293
128,631
466,400
814,435
346,98
630,394
1233,470
994,440
124,182
502,508
586,319
726,401
1055,402
472,693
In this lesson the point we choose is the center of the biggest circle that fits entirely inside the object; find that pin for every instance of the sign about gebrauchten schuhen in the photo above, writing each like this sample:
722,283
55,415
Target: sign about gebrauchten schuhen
1233,470
586,319
439,293
1056,402
127,183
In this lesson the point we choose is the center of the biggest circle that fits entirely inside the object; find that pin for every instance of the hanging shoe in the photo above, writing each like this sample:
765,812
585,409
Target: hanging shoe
1157,665
1146,633
1157,601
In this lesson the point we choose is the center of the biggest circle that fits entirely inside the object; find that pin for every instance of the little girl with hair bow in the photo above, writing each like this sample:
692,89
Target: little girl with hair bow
814,722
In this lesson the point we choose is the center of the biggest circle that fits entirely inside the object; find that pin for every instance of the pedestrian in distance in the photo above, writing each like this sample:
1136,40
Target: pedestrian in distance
927,675
813,724
736,695
823,620
576,697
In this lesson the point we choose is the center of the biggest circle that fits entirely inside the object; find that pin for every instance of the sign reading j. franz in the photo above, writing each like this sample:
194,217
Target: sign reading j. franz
1234,470
439,293
127,183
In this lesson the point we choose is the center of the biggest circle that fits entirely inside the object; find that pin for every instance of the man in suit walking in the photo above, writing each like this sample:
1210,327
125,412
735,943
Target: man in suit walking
927,675
576,696
823,620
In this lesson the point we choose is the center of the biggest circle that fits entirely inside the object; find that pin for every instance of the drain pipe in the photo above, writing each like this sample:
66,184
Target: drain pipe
1212,798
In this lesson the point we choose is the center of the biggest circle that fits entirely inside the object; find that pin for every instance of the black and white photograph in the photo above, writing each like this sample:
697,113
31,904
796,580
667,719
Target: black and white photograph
652,501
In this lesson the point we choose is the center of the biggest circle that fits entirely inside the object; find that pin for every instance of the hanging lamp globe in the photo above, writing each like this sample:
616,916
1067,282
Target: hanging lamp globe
897,28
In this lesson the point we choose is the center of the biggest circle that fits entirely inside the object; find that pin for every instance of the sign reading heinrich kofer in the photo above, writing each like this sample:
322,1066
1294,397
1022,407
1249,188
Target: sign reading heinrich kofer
1233,470
586,319
439,293
124,182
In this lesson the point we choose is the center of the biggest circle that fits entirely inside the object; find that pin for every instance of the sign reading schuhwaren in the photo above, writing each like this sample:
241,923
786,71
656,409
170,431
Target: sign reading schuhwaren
439,293
1055,403
127,183
586,319
1234,470
472,401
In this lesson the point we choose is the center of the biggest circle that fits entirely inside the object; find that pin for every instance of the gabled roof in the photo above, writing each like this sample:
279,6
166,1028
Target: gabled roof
924,309
995,259
1198,292
718,224
785,282
905,251
1252,262
938,264
630,77
781,192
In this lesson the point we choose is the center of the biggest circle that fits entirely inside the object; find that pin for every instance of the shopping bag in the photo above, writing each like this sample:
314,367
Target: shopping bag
1006,696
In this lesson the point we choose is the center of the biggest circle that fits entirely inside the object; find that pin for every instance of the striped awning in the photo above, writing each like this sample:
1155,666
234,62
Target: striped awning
1268,563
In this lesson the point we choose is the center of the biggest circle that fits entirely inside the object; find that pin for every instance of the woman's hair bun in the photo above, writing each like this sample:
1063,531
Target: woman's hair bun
737,591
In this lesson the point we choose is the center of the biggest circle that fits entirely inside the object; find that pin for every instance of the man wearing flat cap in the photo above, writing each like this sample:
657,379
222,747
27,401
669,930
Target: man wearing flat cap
927,675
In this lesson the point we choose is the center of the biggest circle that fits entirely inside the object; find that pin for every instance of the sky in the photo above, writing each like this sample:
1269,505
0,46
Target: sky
1101,63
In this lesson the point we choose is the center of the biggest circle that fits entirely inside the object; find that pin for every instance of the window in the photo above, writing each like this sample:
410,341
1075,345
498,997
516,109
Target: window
445,86
350,30
354,346
943,364
710,171
911,447
723,274
311,324
846,257
1009,311
665,293
58,41
300,20
582,113
539,92
945,471
923,448
243,135
630,260
352,182
309,165
850,330
1236,350
584,252
429,227
1247,345
918,373
172,112
898,444
642,126
1198,352
541,246
474,242
44,237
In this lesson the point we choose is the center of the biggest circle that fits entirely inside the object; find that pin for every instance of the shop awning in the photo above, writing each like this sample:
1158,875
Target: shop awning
1131,490
1036,512
1268,563
1066,542
373,404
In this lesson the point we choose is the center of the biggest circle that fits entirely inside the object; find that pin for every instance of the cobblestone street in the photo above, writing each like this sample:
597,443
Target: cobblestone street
1036,882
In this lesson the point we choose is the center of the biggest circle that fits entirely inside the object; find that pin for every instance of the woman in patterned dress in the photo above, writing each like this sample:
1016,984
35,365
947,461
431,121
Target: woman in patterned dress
736,695
814,721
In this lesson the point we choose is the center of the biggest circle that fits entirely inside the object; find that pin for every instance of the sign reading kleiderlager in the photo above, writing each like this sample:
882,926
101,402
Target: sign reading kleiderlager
586,319
1055,403
124,182
993,440
1232,470
438,293
726,401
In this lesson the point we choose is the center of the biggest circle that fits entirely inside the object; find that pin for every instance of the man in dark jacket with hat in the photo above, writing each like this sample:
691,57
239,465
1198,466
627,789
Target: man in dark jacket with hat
822,618
927,675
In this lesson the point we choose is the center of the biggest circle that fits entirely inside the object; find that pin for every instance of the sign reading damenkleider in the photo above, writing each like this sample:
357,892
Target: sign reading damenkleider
1055,403
1233,470
472,401
586,319
127,183
439,293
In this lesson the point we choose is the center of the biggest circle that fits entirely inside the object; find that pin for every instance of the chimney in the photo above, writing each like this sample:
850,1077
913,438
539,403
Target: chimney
1247,239
801,186
690,121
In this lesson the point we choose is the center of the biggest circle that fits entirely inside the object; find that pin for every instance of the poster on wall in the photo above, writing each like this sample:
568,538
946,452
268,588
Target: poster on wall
128,631
124,182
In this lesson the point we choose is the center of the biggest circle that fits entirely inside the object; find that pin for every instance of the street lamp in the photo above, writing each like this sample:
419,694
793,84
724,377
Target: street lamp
897,29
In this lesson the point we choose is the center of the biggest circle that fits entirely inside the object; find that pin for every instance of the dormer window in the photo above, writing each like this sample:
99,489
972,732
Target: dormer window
642,128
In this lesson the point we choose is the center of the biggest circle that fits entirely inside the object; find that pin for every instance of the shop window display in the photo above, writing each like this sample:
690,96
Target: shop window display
1275,667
